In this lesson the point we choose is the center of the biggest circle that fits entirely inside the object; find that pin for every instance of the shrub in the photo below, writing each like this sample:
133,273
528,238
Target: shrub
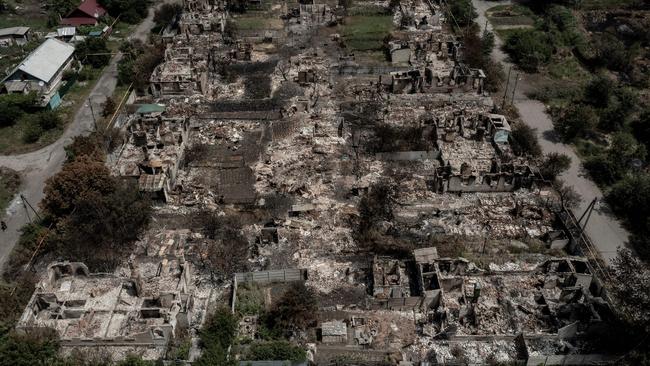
275,350
32,131
108,107
87,73
599,91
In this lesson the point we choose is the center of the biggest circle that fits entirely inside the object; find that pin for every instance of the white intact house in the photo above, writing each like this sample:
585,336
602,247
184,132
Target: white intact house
42,71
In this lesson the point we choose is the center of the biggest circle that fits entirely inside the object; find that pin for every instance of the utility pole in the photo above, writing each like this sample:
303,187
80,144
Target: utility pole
505,92
25,201
26,210
587,212
512,101
92,111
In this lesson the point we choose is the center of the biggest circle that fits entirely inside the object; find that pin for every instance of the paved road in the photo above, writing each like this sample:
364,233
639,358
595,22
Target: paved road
604,230
35,167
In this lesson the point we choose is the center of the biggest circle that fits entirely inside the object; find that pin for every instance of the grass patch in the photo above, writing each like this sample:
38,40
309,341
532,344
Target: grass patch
606,4
504,34
9,185
366,32
35,22
258,23
566,68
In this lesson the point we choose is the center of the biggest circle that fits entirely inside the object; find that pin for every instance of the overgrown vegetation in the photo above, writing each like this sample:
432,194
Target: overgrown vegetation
216,336
599,105
9,184
275,350
138,62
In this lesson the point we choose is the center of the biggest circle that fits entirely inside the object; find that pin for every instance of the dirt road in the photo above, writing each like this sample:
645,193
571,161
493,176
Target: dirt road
35,167
604,230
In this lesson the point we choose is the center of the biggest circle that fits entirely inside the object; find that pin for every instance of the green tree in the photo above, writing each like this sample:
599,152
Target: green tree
133,360
216,336
76,180
632,288
166,13
554,164
295,310
630,198
529,49
462,11
13,106
130,11
38,347
576,120
89,146
93,51
523,140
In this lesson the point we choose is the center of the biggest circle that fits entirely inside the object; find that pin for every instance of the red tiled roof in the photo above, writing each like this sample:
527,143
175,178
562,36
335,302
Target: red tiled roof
77,21
92,8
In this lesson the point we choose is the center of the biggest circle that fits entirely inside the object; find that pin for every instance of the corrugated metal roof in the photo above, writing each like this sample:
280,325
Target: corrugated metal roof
47,59
14,31
66,31
150,108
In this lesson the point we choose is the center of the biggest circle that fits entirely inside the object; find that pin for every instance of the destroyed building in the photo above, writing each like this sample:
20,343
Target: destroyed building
152,153
289,131
138,309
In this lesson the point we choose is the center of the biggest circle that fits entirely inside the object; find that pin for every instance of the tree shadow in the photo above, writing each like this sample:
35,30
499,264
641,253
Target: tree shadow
551,136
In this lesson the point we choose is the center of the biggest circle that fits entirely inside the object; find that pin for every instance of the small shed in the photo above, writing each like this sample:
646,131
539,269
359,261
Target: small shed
14,36
335,331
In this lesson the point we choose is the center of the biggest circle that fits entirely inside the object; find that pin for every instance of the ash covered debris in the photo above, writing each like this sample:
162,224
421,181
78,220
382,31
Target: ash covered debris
380,180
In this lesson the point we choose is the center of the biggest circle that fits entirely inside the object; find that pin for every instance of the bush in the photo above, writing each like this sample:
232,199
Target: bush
33,130
108,107
599,91
87,73
576,121
529,49
601,169
49,120
275,350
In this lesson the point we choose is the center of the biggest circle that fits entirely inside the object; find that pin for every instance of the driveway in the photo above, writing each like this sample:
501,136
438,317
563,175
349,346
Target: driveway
604,230
35,167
